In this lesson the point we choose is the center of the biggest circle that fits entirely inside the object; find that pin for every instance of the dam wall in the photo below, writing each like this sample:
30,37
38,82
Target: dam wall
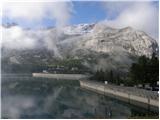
61,76
139,97
136,96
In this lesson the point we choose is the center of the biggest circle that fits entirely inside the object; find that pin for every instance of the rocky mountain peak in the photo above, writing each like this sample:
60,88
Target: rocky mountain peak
97,44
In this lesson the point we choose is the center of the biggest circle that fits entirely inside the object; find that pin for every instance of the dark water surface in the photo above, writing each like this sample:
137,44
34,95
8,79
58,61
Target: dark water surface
27,97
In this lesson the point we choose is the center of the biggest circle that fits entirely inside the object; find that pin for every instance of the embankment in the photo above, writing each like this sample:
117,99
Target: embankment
61,76
143,98
139,97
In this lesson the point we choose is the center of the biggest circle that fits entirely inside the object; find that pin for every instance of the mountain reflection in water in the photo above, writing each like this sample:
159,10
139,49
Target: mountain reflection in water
28,97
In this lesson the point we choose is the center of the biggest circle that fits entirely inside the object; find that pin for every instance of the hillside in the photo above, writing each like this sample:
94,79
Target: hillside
94,46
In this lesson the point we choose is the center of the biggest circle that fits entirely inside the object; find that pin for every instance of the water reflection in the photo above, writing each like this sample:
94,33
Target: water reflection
46,98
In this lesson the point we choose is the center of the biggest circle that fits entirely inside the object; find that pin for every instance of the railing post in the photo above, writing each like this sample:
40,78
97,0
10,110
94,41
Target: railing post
148,104
129,98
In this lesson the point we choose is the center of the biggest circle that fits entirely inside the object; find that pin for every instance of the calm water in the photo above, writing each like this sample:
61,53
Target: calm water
27,97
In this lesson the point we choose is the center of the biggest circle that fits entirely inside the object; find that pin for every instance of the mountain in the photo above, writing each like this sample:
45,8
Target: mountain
97,46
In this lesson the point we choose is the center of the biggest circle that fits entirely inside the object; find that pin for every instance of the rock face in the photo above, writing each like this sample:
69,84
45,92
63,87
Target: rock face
107,40
98,45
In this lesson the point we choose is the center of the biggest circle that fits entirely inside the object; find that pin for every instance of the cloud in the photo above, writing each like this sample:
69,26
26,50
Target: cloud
139,15
27,11
16,38
62,13
33,12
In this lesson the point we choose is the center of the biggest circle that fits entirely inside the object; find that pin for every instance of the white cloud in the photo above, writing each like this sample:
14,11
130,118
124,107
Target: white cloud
34,12
62,13
139,15
27,11
16,38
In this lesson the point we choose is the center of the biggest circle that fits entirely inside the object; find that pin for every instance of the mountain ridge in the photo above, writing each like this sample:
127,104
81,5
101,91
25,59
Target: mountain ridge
99,45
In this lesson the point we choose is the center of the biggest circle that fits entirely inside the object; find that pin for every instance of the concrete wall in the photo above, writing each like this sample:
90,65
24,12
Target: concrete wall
60,76
130,98
104,89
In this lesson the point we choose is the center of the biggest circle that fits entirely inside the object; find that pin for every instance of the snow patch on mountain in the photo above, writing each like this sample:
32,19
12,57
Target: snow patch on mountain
99,45
78,29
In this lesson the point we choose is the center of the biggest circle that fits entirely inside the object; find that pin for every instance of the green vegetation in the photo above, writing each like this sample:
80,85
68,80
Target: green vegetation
144,71
109,76
68,65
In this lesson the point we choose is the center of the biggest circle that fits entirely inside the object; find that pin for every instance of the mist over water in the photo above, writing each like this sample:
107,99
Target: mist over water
27,97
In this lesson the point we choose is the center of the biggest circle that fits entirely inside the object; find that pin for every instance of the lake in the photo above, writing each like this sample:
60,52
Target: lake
26,97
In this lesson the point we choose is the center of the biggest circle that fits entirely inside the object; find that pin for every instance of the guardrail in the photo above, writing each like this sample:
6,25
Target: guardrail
130,94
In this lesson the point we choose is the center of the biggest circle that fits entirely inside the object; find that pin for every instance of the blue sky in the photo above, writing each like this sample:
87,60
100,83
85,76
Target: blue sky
88,12
84,12
139,15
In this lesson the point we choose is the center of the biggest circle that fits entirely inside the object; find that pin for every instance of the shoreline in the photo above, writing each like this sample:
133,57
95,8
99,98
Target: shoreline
135,96
131,98
61,76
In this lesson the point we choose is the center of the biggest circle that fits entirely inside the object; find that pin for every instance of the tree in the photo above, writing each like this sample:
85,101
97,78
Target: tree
153,70
100,75
111,79
145,70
